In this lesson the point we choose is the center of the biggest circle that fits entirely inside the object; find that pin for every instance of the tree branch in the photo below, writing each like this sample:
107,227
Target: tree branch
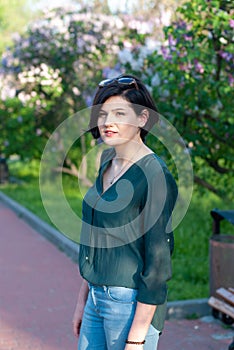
217,46
211,129
214,164
73,172
205,184
65,171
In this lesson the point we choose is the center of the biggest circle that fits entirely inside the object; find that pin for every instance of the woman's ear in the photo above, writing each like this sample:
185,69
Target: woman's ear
144,116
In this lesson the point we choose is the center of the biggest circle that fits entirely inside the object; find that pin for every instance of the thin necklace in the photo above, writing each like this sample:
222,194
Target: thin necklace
124,167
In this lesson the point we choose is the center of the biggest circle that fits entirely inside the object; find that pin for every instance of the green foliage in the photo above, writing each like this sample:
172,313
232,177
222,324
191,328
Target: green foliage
51,73
14,16
53,69
17,124
191,79
191,256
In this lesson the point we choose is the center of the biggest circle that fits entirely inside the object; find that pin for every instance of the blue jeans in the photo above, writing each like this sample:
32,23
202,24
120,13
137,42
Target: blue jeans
107,319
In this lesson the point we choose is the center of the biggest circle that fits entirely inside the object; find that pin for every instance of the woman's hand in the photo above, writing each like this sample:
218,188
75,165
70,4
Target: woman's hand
79,311
133,347
77,319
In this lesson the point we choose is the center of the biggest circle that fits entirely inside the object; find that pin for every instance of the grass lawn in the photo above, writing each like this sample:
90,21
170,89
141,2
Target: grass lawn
190,259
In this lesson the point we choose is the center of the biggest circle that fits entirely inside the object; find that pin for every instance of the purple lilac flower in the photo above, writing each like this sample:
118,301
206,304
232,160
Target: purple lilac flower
181,24
198,67
231,22
172,41
231,79
117,67
185,67
88,100
38,132
188,37
105,72
166,54
226,55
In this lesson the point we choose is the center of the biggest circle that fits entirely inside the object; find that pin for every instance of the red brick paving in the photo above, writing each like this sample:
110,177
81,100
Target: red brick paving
195,335
38,290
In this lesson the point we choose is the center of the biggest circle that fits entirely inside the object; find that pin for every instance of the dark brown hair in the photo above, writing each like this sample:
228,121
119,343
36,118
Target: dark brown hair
139,98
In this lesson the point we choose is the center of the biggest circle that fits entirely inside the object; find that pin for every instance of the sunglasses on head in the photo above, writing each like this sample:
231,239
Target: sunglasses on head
125,81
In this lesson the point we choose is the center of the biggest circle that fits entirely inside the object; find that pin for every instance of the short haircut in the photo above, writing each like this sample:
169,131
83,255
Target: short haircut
139,98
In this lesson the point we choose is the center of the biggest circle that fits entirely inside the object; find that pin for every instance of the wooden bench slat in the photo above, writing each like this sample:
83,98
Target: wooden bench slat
221,306
231,290
226,295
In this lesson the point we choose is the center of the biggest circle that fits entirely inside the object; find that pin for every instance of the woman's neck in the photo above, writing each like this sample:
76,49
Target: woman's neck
128,151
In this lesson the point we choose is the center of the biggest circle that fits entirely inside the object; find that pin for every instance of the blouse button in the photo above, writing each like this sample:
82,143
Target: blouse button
86,258
168,240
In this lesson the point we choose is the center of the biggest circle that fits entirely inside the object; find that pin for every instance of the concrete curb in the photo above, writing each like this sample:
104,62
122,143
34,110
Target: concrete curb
182,309
194,308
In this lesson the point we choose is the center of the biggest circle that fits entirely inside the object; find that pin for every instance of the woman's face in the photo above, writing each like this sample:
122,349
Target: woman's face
118,123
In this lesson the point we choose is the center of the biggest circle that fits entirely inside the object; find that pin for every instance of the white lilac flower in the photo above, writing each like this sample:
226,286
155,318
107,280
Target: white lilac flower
137,64
47,82
155,81
166,17
223,40
119,23
152,45
24,97
175,104
149,88
38,132
76,91
165,93
125,56
7,92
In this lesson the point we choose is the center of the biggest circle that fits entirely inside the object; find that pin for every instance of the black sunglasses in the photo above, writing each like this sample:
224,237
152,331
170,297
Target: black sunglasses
121,81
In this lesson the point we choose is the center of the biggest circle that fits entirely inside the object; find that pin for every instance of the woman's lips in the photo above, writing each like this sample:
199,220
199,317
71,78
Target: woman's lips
109,133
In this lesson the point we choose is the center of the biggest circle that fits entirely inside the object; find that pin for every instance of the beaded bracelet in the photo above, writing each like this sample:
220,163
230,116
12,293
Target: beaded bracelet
135,342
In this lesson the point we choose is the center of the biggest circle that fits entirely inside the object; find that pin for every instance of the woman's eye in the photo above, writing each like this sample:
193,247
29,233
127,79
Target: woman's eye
120,114
101,115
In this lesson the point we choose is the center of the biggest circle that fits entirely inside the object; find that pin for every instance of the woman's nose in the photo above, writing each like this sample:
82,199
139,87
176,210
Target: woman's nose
109,119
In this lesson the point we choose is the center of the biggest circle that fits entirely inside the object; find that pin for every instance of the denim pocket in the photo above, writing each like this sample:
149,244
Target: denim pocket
122,294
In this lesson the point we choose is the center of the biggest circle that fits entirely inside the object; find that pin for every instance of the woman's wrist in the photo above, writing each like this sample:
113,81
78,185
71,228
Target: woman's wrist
137,333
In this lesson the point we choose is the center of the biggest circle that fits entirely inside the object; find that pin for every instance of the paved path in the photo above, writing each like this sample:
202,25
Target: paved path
38,289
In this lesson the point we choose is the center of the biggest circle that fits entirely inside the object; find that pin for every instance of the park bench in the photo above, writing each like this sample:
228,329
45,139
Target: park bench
221,270
223,305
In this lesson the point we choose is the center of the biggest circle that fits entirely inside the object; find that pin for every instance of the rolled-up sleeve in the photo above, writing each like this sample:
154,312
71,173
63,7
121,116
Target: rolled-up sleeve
158,236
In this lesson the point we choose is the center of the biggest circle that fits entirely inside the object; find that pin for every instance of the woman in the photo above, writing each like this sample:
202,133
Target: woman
126,240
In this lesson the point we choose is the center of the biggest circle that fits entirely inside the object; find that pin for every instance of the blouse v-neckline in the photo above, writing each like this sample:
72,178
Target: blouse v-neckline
107,164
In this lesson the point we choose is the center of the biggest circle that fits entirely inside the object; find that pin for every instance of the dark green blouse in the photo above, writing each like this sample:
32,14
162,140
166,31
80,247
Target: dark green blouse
126,237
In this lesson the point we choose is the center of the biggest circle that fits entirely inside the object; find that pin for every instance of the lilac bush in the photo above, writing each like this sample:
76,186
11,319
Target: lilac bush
191,77
52,72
